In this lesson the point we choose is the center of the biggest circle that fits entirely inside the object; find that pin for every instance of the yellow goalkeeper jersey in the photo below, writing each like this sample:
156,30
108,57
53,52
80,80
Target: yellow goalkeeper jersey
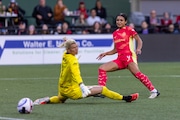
70,75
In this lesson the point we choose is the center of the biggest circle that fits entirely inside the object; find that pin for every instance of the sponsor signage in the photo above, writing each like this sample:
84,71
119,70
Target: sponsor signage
20,50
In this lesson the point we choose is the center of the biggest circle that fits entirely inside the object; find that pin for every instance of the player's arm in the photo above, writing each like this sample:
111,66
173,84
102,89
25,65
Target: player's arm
78,79
76,73
139,44
111,52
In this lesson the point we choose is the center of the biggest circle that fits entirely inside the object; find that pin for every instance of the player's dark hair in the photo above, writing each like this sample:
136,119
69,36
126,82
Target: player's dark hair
123,15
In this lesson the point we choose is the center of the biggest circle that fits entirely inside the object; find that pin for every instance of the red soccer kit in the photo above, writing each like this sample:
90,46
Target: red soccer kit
123,40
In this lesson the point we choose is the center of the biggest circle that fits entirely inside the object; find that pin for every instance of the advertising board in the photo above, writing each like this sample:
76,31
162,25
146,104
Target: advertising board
44,49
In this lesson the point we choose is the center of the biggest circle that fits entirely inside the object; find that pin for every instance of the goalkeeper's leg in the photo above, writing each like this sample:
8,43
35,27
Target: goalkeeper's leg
112,95
57,99
116,96
47,100
54,99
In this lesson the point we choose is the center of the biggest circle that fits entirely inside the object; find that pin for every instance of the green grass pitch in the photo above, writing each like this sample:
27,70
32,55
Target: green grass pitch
36,81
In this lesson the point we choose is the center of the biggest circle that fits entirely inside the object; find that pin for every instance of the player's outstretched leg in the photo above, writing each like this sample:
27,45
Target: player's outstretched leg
116,96
154,94
41,101
132,97
102,77
46,100
145,80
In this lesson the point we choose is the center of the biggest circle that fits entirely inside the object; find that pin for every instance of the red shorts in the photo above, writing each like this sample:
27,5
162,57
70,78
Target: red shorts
123,61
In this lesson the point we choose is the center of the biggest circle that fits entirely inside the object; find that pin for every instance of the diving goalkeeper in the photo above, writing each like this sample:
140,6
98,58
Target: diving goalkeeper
71,85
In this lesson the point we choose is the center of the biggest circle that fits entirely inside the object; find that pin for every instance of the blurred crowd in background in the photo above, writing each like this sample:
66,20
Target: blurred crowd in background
13,20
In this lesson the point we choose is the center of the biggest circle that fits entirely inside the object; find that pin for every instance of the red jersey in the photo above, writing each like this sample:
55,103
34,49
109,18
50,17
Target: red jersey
178,19
123,40
166,22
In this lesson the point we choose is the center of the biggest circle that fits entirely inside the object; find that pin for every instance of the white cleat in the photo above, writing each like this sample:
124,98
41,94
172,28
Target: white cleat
154,95
41,101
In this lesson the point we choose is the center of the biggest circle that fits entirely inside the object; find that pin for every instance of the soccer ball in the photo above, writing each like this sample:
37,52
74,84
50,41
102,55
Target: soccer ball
25,106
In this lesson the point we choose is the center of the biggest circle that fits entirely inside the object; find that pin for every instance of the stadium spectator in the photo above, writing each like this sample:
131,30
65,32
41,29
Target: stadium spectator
45,29
171,29
131,25
177,28
127,58
2,12
84,31
2,7
107,29
145,28
178,19
93,18
58,29
82,9
65,28
14,8
4,31
22,28
71,85
81,21
43,13
153,21
60,10
101,11
166,20
96,28
31,30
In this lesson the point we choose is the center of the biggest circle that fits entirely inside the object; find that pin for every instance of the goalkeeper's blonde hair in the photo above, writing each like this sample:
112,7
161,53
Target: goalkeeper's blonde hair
67,42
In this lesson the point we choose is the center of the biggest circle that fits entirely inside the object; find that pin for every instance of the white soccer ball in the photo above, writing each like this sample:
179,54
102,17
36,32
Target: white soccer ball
25,106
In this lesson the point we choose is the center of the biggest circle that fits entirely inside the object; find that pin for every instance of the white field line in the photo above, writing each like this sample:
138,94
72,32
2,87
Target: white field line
90,77
7,118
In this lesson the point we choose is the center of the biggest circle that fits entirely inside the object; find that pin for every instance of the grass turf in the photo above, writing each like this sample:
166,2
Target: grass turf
36,81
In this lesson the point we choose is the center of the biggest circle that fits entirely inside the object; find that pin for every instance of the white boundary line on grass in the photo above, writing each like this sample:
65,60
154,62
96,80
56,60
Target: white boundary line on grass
7,118
90,77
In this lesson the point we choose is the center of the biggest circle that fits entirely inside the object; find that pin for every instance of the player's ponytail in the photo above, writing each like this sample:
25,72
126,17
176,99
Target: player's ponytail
67,42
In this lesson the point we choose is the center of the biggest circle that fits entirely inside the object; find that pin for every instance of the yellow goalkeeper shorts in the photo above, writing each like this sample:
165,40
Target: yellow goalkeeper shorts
72,92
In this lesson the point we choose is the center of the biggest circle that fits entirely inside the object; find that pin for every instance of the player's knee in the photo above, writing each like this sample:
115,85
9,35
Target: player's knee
101,67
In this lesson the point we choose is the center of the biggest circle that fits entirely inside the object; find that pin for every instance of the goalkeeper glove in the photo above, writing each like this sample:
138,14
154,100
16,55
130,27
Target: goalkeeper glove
85,90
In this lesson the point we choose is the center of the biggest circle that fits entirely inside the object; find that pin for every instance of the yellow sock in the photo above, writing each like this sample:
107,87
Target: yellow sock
111,94
55,99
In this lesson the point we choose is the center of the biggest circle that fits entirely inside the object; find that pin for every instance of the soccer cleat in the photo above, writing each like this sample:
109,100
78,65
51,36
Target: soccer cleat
133,97
41,101
154,95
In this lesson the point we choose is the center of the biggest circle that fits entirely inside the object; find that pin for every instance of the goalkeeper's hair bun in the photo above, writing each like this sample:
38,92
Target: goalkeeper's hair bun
67,42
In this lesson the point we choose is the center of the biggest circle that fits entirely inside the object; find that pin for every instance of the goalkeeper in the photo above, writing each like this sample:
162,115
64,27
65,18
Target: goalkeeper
71,85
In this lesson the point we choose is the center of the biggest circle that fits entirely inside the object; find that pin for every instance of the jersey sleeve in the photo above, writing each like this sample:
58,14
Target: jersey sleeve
132,32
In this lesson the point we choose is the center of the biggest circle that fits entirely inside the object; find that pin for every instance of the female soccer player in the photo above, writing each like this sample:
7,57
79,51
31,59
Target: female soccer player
71,84
127,59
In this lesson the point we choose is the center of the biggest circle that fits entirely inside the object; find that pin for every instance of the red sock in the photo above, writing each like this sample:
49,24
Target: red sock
102,77
145,80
